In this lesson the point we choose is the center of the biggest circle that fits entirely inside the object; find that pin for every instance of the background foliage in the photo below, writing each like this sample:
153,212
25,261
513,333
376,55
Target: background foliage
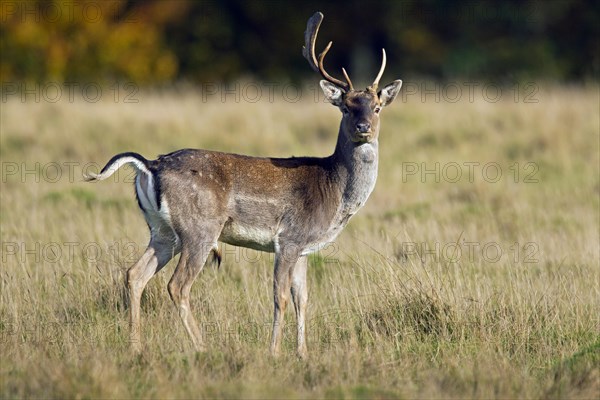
159,41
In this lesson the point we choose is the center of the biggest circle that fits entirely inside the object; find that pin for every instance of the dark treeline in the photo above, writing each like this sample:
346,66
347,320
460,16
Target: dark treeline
156,41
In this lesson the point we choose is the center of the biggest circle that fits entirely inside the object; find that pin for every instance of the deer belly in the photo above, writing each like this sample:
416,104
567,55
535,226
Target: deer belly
253,237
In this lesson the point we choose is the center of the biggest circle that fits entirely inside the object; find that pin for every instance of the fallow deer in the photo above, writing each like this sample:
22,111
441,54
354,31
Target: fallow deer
290,206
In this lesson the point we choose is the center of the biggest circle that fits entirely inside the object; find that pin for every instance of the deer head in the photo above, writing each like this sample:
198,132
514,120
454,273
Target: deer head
360,108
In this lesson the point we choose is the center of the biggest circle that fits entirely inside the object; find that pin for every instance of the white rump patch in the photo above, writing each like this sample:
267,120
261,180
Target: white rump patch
144,186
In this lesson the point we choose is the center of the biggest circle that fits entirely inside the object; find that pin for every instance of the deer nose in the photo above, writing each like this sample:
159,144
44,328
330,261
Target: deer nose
363,127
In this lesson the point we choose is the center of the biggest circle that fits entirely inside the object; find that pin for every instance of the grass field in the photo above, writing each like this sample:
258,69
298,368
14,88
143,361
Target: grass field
454,281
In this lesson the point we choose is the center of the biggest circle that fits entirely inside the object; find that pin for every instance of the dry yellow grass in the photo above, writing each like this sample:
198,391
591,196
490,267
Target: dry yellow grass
465,287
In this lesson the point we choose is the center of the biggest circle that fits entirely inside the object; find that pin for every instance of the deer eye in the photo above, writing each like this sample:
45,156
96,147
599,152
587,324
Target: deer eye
377,110
345,110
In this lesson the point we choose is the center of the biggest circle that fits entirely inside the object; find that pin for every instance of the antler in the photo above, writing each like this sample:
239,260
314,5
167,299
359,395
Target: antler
308,51
378,77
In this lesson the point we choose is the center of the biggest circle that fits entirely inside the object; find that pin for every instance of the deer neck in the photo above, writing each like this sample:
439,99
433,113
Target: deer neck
356,167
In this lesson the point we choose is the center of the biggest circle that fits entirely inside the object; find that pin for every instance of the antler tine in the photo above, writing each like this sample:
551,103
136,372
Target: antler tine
330,78
308,51
380,74
347,78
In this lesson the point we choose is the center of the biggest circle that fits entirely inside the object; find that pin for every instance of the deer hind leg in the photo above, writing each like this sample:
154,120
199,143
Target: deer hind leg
194,253
283,271
158,253
300,298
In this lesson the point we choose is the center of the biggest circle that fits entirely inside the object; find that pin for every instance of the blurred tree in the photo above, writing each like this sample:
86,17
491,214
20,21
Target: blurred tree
153,41
63,40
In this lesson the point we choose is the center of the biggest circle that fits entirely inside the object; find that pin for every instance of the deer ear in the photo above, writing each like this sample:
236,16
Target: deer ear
333,93
389,93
